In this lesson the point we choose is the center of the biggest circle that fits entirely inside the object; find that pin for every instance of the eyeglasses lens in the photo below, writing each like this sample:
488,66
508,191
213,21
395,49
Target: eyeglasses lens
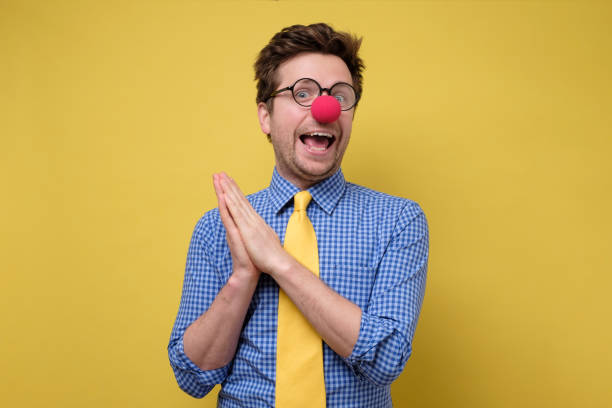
305,91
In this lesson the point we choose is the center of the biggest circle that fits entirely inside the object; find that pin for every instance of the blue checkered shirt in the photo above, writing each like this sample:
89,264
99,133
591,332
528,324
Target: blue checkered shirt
373,250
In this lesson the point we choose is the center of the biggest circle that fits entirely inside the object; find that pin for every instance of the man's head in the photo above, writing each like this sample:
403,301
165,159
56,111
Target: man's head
307,151
297,39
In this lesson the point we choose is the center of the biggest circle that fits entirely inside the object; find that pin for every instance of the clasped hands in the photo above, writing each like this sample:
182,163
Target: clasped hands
256,248
254,245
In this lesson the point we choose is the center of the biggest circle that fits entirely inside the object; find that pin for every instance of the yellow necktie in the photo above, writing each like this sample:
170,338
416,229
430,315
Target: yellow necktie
299,349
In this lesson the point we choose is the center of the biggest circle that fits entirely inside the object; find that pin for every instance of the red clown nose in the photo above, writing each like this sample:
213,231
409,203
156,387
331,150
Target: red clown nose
325,109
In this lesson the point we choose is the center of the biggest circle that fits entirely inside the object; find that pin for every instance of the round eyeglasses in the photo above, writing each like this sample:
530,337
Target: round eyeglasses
306,90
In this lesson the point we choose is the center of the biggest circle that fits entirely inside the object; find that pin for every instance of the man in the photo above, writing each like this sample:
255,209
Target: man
372,254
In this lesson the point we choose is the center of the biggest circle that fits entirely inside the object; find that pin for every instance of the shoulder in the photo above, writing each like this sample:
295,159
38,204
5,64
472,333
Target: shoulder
393,216
208,228
382,203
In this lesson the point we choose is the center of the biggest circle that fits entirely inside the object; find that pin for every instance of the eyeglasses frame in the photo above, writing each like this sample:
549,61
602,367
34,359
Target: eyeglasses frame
321,90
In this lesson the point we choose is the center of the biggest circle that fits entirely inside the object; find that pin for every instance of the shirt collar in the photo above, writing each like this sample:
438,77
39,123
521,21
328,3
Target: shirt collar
326,193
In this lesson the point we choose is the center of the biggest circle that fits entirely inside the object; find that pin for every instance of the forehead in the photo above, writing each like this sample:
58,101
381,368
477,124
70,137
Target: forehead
326,69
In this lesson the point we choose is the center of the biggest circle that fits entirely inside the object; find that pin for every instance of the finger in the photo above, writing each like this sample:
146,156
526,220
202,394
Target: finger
238,226
232,235
226,218
242,204
236,206
220,197
217,186
232,186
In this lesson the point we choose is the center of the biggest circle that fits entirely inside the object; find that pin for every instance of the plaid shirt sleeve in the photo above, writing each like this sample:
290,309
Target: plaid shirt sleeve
201,285
389,320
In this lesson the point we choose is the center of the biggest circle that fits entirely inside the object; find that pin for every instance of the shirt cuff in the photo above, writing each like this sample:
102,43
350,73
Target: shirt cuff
204,377
365,347
379,353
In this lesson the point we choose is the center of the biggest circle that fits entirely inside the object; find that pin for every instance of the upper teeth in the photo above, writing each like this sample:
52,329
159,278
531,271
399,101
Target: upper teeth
327,135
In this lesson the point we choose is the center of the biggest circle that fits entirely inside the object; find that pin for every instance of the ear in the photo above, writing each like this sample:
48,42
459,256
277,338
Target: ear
264,117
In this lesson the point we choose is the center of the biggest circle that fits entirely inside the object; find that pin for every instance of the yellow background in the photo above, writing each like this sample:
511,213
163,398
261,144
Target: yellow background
495,117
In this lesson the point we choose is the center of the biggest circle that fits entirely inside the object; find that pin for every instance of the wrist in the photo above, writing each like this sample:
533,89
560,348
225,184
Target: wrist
243,279
282,266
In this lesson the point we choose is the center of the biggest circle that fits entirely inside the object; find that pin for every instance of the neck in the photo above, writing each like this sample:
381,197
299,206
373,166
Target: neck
303,183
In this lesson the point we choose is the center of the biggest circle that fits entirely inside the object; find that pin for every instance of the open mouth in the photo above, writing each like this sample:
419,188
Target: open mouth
318,141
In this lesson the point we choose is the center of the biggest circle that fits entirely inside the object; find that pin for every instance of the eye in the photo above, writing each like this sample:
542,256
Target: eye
302,94
341,98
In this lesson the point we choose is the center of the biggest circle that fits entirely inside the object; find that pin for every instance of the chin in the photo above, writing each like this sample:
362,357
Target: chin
318,173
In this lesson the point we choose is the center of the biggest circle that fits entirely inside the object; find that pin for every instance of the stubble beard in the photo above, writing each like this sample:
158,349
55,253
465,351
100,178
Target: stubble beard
292,166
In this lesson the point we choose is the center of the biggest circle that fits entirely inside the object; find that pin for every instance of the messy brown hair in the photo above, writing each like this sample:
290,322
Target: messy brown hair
296,39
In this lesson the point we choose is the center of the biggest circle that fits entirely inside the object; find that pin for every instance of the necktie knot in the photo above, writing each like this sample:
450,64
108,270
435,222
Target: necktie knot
301,200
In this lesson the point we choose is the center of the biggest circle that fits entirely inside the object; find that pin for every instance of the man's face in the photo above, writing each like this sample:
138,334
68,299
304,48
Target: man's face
303,157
